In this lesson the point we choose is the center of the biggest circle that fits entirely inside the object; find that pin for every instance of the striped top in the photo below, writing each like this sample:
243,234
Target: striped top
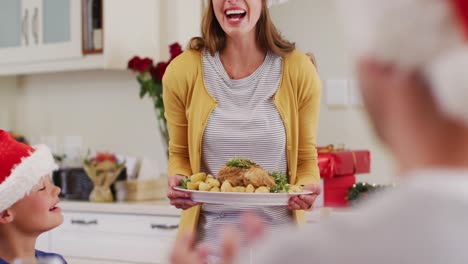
245,124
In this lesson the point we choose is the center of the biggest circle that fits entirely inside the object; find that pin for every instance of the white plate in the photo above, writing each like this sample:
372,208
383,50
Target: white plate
234,198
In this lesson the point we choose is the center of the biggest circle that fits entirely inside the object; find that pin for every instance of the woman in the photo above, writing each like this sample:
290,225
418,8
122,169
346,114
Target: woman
241,90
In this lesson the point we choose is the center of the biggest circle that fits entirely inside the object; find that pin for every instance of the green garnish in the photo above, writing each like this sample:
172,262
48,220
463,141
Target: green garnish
183,182
281,182
240,163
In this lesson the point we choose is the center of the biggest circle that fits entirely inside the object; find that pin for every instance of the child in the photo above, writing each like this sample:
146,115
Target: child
28,199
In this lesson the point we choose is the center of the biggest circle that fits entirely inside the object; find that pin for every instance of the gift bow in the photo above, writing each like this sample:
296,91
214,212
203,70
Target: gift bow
341,147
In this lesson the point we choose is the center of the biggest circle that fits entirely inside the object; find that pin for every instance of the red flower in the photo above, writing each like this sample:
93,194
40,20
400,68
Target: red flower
175,50
102,156
144,64
133,63
139,65
158,71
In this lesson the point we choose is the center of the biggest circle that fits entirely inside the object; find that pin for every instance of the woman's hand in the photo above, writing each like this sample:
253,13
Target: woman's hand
179,199
305,201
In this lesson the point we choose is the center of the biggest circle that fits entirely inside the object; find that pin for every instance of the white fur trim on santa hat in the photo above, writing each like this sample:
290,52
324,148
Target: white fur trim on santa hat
26,175
408,33
420,35
449,79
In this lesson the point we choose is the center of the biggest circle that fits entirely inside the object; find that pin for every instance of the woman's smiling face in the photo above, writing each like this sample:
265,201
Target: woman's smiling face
237,17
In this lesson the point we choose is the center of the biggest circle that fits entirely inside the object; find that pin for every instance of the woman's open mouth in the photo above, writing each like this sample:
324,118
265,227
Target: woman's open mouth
235,15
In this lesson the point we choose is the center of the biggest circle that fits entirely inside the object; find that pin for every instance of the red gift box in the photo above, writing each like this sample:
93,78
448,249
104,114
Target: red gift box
335,190
333,162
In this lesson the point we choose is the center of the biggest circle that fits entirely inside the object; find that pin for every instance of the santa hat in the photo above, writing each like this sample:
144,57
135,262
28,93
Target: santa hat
21,168
427,35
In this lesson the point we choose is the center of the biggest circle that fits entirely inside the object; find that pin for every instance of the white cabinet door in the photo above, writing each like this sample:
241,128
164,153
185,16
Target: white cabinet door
11,18
58,29
115,237
49,29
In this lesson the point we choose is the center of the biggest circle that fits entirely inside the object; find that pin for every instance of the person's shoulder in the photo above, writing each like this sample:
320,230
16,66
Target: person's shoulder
183,67
297,59
299,65
56,257
188,59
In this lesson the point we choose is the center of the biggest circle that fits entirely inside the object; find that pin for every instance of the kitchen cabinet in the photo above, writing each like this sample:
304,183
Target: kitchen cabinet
43,36
37,30
110,233
10,24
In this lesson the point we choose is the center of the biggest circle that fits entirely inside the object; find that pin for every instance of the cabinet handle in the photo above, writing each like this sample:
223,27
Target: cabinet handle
164,227
24,27
35,25
84,222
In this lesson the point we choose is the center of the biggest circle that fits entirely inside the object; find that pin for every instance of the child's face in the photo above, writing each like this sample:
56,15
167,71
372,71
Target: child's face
38,211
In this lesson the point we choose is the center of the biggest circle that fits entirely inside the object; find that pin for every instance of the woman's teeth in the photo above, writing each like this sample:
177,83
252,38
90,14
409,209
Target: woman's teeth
235,14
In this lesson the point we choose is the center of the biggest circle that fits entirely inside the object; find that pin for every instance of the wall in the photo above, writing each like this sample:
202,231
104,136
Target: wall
314,26
101,107
176,26
8,97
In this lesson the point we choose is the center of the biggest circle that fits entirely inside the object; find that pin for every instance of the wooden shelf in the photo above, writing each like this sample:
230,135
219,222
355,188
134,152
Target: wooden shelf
96,51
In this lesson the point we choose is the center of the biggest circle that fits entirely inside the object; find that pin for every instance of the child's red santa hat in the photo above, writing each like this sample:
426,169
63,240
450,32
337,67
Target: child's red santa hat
430,36
21,168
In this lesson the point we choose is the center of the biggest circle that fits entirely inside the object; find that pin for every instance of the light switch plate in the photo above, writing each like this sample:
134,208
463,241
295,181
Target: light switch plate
337,92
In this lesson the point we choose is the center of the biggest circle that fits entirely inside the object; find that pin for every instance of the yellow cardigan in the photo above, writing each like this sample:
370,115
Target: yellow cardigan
188,106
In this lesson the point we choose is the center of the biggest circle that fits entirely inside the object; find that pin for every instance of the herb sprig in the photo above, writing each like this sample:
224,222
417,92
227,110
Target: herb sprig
281,182
240,163
183,182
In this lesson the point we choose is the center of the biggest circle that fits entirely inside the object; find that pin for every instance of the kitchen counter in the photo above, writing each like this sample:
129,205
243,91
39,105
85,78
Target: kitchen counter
163,208
159,207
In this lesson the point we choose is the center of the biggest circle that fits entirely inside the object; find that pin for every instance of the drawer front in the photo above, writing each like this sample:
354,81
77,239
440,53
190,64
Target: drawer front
120,223
128,238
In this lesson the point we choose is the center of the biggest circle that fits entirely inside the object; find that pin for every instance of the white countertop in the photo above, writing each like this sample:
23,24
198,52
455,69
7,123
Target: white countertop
163,208
159,207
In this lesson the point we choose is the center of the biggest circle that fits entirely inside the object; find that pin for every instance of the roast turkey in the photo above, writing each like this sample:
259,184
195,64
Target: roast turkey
242,172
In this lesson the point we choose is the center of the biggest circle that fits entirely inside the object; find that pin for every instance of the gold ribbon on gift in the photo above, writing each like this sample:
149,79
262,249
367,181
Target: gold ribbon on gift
331,148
